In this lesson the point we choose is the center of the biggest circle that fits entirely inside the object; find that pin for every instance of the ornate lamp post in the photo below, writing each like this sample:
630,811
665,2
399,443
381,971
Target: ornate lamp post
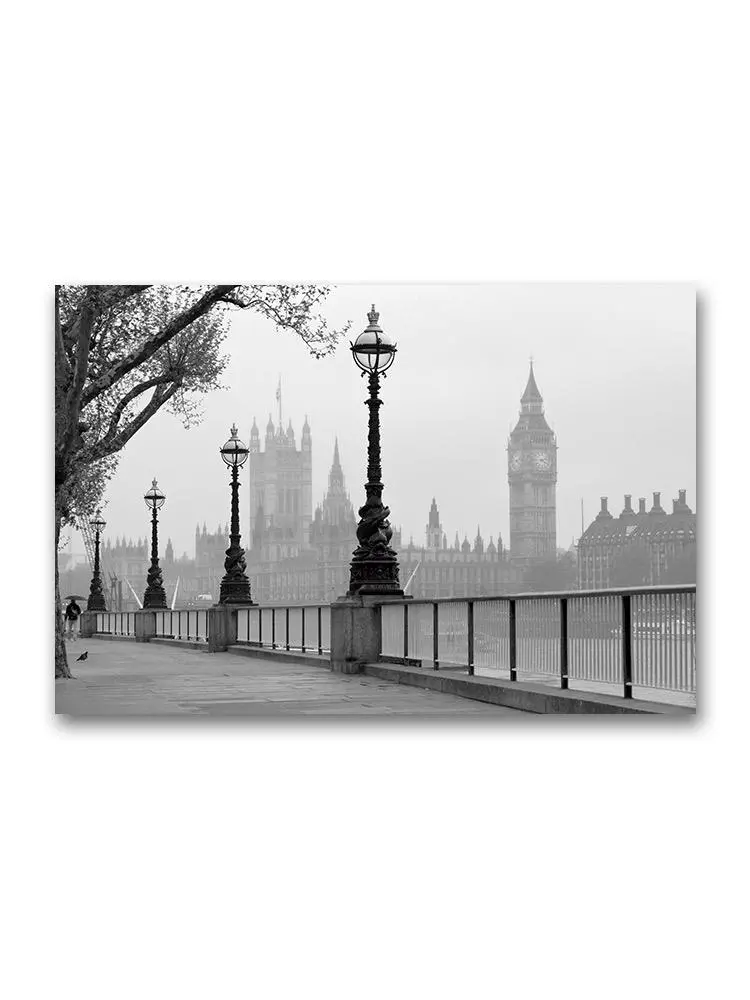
374,566
154,597
96,596
235,587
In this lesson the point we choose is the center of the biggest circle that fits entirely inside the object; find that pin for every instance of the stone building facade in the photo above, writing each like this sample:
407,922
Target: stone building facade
280,476
126,562
532,478
638,548
309,562
436,569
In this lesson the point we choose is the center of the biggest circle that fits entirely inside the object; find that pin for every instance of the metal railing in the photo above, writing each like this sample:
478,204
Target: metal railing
306,628
641,638
192,626
115,622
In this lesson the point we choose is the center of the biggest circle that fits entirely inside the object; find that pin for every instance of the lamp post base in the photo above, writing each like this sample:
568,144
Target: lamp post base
374,577
235,592
96,602
155,598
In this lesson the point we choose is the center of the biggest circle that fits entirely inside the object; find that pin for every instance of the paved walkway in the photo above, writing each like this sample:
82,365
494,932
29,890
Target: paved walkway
125,678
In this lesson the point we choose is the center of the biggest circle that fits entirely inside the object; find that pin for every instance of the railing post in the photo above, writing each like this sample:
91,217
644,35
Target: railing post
471,638
287,629
564,643
145,625
320,631
303,629
260,626
273,628
406,632
627,649
435,636
512,638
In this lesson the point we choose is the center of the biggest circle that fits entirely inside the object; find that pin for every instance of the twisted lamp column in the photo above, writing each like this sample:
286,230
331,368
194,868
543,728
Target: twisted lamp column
96,600
235,587
154,596
374,566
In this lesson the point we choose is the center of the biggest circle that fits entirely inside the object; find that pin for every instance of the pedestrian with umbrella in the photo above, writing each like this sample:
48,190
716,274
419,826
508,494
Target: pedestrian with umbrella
72,614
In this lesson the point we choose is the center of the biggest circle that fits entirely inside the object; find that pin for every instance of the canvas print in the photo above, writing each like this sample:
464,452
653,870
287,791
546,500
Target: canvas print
349,501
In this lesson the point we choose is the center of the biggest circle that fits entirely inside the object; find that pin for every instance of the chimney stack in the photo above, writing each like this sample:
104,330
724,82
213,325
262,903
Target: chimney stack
680,505
641,505
657,507
603,514
627,510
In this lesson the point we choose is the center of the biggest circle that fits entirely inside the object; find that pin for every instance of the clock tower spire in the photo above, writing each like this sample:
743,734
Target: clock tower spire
532,477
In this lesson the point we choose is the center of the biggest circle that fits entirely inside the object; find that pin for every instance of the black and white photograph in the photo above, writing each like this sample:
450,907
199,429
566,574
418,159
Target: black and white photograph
504,527
374,384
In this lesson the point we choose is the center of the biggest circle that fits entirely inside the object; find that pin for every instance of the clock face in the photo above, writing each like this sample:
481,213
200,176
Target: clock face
542,461
515,461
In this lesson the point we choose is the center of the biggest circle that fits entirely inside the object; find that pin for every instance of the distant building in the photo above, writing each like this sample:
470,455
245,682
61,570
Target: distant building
298,558
638,548
532,477
126,564
436,570
280,490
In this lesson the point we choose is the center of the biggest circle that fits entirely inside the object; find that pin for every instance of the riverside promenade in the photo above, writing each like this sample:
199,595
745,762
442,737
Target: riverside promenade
125,678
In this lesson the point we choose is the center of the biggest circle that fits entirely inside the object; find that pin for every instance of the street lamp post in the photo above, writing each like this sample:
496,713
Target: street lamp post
374,566
96,600
235,587
154,596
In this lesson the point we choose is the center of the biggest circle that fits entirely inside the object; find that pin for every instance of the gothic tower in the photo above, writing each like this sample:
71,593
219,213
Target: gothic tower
532,476
281,487
336,511
434,529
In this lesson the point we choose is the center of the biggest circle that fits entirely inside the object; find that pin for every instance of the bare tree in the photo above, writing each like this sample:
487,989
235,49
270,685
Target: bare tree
122,352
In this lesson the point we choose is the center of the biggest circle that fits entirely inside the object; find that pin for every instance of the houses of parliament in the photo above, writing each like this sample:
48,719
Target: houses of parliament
297,554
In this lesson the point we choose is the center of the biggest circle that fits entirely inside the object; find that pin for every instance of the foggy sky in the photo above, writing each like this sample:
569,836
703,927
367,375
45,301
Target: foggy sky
614,363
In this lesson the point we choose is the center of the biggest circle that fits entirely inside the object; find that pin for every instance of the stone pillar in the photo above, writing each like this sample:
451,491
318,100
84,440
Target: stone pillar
222,627
355,634
88,624
145,625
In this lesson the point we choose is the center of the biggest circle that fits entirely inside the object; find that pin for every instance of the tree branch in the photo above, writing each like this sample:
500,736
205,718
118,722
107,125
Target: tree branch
150,347
82,332
128,398
103,297
63,359
104,448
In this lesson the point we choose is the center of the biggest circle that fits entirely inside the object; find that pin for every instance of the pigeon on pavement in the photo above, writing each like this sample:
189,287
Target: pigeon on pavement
83,656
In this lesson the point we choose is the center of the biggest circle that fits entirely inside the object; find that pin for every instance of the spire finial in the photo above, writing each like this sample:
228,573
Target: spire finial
373,315
233,430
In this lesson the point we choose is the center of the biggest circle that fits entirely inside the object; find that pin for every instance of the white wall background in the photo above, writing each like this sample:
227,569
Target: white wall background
402,142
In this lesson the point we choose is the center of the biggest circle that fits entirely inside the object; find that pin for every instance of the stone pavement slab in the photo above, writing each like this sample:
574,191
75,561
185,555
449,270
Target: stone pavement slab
125,678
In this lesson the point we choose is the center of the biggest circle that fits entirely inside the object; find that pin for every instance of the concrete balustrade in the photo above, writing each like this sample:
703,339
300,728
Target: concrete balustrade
355,634
355,631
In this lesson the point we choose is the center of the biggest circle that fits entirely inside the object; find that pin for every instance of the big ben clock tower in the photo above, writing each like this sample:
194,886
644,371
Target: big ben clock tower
532,476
